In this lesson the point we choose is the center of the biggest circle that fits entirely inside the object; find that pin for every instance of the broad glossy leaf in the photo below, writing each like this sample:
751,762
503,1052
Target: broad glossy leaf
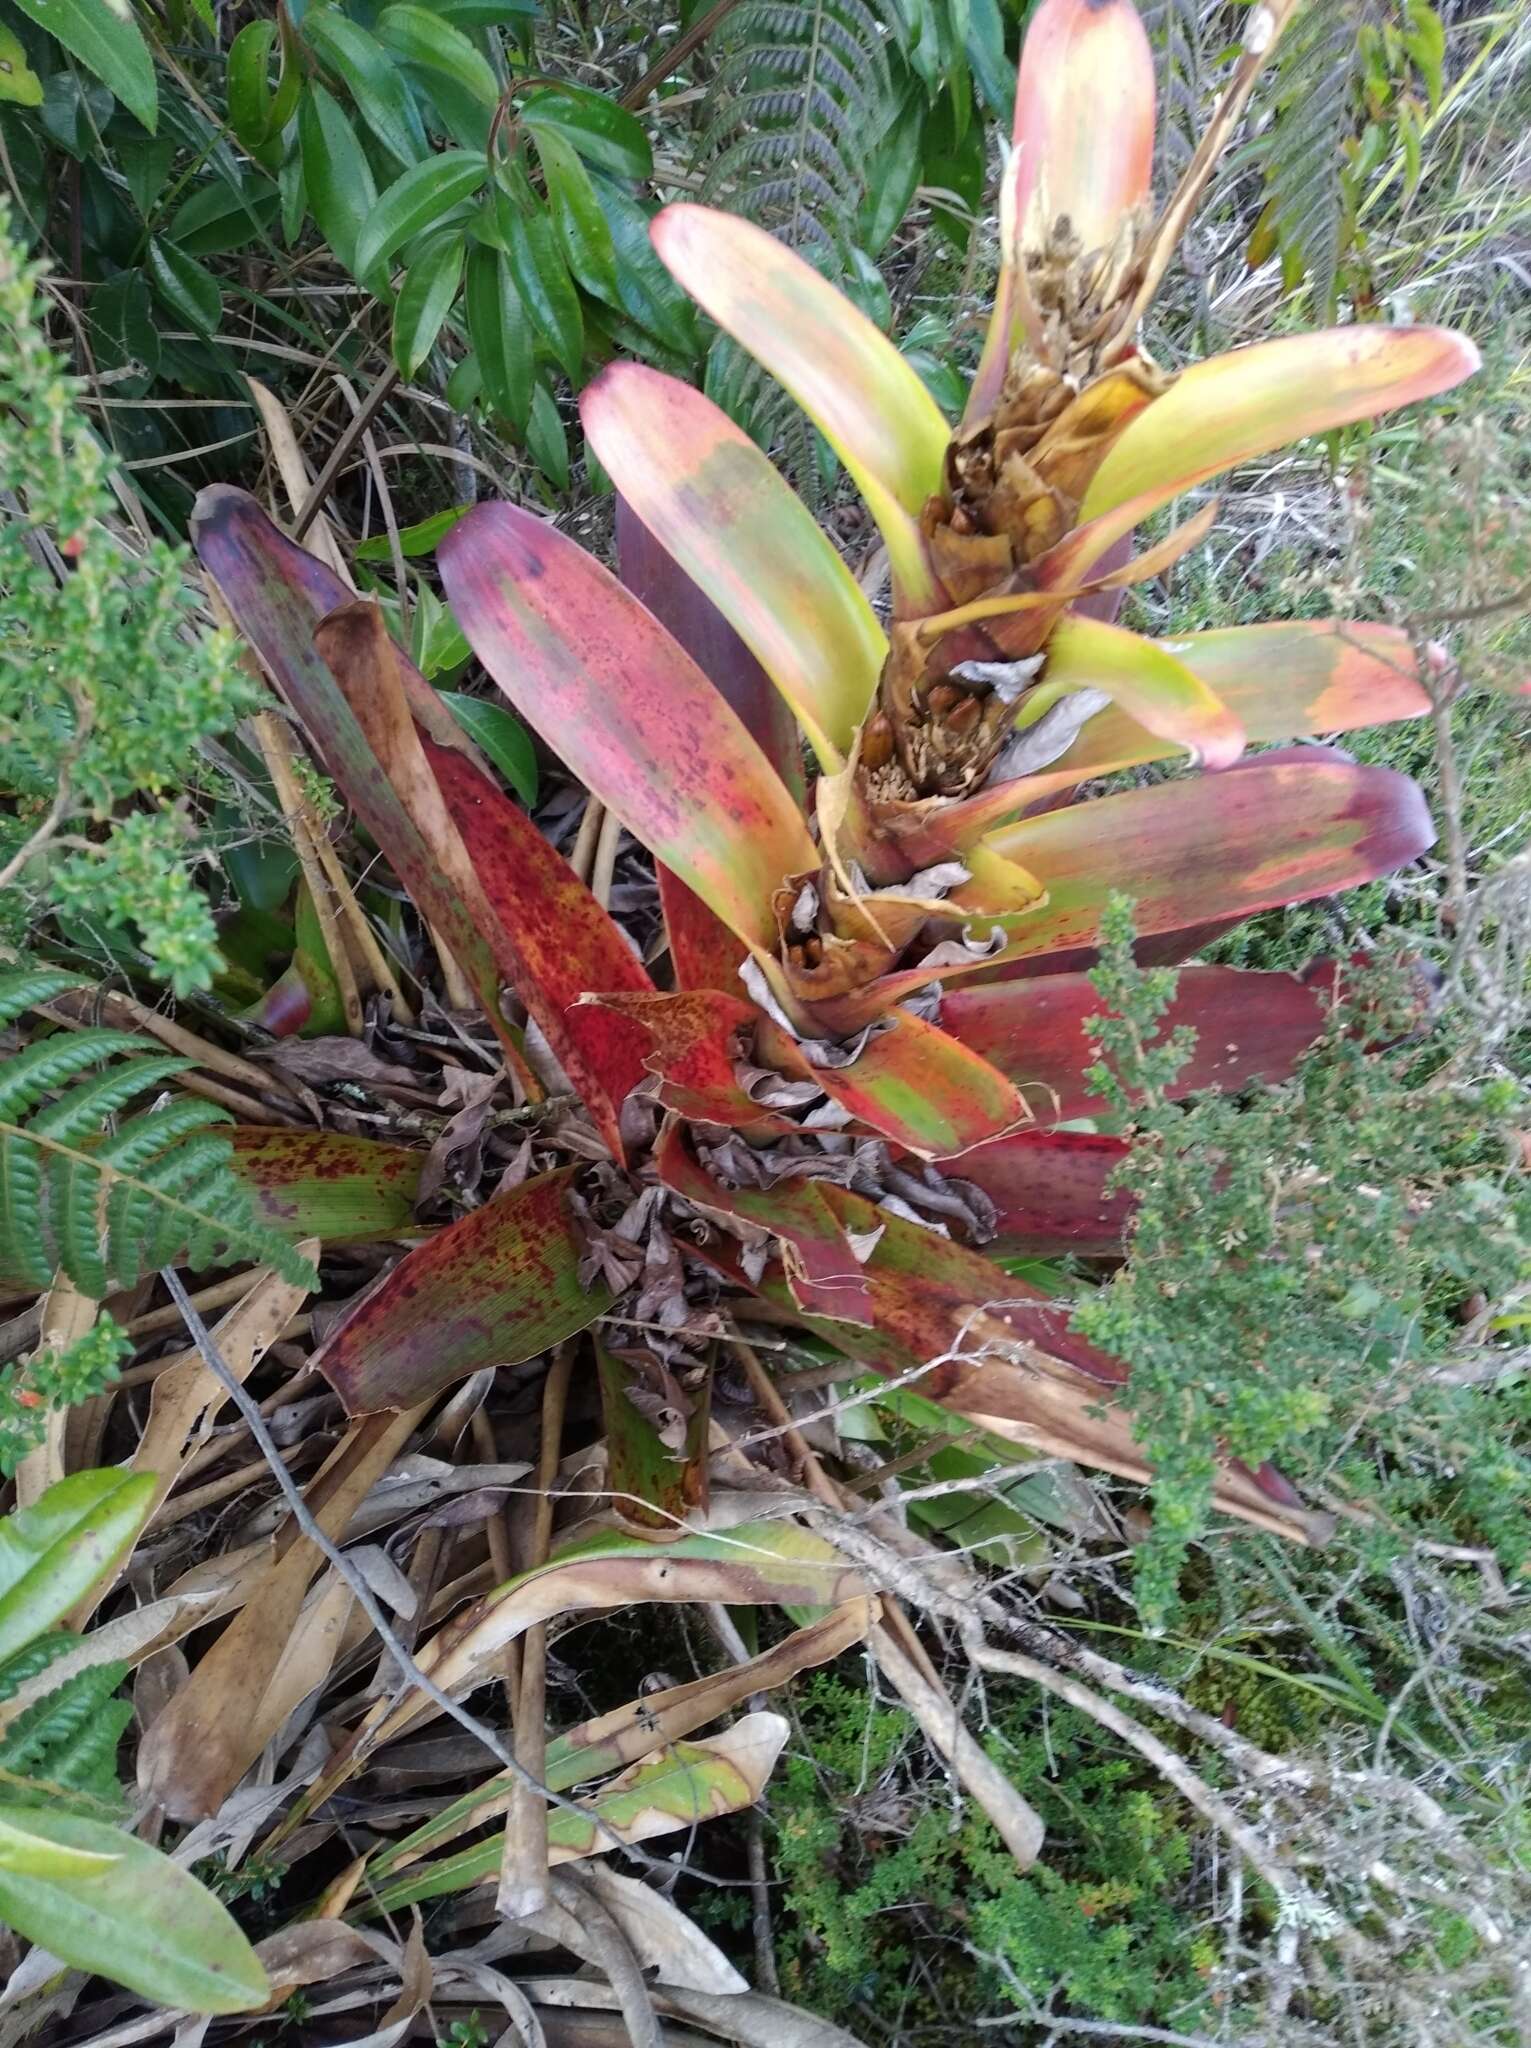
864,398
627,708
137,1918
1155,687
1250,1027
541,273
599,127
494,1288
109,42
501,334
416,200
185,285
1226,846
713,501
502,737
425,299
327,1184
373,79
53,1552
422,37
913,1084
583,230
336,173
1049,1189
1233,407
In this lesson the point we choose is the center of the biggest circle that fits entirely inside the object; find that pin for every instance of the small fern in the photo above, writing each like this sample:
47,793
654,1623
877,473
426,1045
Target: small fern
64,1746
802,98
109,1208
1302,152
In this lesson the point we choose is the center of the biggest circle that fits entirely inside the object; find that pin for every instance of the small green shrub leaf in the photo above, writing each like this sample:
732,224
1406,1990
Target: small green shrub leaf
502,737
53,1552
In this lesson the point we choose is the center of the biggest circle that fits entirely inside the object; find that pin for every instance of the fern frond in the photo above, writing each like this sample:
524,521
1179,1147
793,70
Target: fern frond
109,1208
66,1743
802,97
1302,151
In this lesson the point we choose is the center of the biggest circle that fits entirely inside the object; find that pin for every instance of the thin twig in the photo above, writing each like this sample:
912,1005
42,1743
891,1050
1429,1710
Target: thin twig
358,424
614,1953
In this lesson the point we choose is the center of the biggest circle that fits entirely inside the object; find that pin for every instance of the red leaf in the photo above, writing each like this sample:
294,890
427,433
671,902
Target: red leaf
1192,853
628,709
494,1288
1049,1189
1249,1026
822,1271
703,951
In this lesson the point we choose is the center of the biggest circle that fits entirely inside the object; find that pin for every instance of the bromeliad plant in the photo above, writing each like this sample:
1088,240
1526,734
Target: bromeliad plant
865,1076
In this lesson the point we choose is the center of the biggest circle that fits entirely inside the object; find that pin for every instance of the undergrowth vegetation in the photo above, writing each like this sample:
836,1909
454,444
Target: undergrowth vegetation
795,1315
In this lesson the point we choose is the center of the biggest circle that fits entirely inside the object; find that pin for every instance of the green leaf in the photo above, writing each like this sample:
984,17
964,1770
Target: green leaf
223,216
501,737
341,194
416,540
108,41
414,202
581,226
486,13
124,333
373,79
541,273
646,291
425,299
422,38
20,85
145,161
247,83
546,439
185,286
601,131
498,328
105,1902
53,1552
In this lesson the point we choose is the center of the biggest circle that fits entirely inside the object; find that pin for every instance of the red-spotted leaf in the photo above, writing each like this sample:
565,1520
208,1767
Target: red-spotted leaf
911,1083
1249,1027
628,709
860,393
548,936
737,529
557,945
1049,1188
324,1184
692,1042
1219,847
1001,1353
494,1288
1233,407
